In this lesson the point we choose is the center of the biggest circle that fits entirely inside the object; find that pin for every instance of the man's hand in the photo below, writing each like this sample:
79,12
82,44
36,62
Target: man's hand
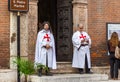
47,46
87,41
82,41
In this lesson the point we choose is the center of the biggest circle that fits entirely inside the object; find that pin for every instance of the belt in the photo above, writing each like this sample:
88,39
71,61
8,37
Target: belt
84,44
44,46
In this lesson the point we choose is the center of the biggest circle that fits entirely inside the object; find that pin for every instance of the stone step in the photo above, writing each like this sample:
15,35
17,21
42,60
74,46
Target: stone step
111,81
7,75
63,72
66,67
70,78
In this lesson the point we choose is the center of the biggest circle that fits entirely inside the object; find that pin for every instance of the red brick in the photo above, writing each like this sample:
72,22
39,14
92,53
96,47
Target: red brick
4,34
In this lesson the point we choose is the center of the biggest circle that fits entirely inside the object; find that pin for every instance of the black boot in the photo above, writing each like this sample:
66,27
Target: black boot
40,72
89,72
48,73
81,71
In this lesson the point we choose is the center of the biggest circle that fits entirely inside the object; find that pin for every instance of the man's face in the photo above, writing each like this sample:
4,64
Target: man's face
46,26
81,28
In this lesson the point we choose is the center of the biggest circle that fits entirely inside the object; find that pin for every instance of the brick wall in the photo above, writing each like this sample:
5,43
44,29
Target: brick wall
100,12
4,34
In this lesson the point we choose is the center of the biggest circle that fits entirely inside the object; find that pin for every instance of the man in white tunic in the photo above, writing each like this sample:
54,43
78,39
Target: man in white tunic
81,57
45,47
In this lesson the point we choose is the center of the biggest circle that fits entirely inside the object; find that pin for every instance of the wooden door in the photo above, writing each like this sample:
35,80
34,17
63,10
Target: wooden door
64,30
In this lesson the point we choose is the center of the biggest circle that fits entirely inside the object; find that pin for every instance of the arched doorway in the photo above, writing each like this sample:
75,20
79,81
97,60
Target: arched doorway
59,14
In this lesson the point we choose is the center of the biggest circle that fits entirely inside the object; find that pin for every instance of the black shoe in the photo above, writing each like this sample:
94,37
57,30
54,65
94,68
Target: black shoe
90,72
40,72
49,74
81,72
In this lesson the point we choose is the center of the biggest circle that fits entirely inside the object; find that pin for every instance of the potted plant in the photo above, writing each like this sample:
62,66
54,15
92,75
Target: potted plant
41,67
25,67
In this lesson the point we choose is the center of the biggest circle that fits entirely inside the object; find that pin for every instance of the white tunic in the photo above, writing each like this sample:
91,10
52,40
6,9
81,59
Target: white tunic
41,53
79,55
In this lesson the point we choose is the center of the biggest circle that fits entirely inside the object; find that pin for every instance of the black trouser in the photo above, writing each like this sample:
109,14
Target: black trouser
114,63
86,65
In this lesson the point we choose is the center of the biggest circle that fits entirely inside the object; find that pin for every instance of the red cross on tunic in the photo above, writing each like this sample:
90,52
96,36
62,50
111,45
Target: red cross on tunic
47,37
82,36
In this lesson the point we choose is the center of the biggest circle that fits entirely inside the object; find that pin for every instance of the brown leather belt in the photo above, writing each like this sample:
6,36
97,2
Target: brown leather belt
84,44
44,46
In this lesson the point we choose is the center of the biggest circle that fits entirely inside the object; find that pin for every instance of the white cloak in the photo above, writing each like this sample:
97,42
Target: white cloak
79,55
41,52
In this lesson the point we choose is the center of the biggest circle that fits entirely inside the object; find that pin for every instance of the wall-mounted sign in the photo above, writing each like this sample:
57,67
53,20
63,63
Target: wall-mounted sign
112,27
18,5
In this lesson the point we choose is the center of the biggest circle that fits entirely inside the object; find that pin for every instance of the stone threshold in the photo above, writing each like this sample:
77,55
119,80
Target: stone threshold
66,67
69,78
